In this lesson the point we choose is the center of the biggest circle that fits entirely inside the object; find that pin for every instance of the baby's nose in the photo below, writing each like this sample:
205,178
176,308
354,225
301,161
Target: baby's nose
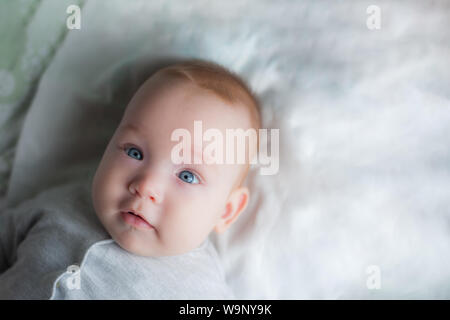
144,193
145,190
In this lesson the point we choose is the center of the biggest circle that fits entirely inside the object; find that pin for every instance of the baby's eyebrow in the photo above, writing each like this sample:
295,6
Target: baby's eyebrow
209,168
196,152
131,127
203,157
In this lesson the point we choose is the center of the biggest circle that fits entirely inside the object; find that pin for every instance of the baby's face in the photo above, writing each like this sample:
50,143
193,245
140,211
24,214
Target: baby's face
180,203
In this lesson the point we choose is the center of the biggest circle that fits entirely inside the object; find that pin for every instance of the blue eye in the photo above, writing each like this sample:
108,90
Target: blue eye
188,177
135,153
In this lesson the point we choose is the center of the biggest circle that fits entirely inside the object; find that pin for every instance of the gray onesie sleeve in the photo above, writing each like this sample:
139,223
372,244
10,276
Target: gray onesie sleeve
15,223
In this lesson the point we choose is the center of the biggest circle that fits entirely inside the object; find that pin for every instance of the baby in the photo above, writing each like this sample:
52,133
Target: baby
142,200
151,206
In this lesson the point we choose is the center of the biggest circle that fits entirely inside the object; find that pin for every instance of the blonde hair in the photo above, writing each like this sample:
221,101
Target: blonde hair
220,81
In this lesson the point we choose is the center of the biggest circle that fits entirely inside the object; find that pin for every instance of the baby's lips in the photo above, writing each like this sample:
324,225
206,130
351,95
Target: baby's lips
140,215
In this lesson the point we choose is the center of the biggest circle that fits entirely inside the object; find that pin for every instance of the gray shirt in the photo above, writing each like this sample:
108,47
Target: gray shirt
53,247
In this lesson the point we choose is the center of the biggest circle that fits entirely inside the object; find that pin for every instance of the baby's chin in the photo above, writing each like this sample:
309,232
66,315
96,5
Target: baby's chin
133,242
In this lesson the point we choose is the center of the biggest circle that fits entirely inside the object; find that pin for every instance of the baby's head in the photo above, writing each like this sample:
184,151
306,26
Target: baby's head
178,204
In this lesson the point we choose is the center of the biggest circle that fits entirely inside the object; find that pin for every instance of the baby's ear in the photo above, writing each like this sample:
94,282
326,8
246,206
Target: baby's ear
236,203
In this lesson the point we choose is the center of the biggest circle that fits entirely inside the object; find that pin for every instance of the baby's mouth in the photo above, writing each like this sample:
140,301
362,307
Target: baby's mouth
135,219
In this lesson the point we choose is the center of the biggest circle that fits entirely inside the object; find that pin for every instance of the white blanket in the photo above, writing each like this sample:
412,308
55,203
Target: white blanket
360,205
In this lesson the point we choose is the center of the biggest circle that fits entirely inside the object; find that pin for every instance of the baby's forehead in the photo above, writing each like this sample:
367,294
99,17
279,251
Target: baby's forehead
182,105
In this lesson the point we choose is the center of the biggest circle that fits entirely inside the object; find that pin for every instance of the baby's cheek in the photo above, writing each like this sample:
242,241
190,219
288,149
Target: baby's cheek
195,206
183,211
178,234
